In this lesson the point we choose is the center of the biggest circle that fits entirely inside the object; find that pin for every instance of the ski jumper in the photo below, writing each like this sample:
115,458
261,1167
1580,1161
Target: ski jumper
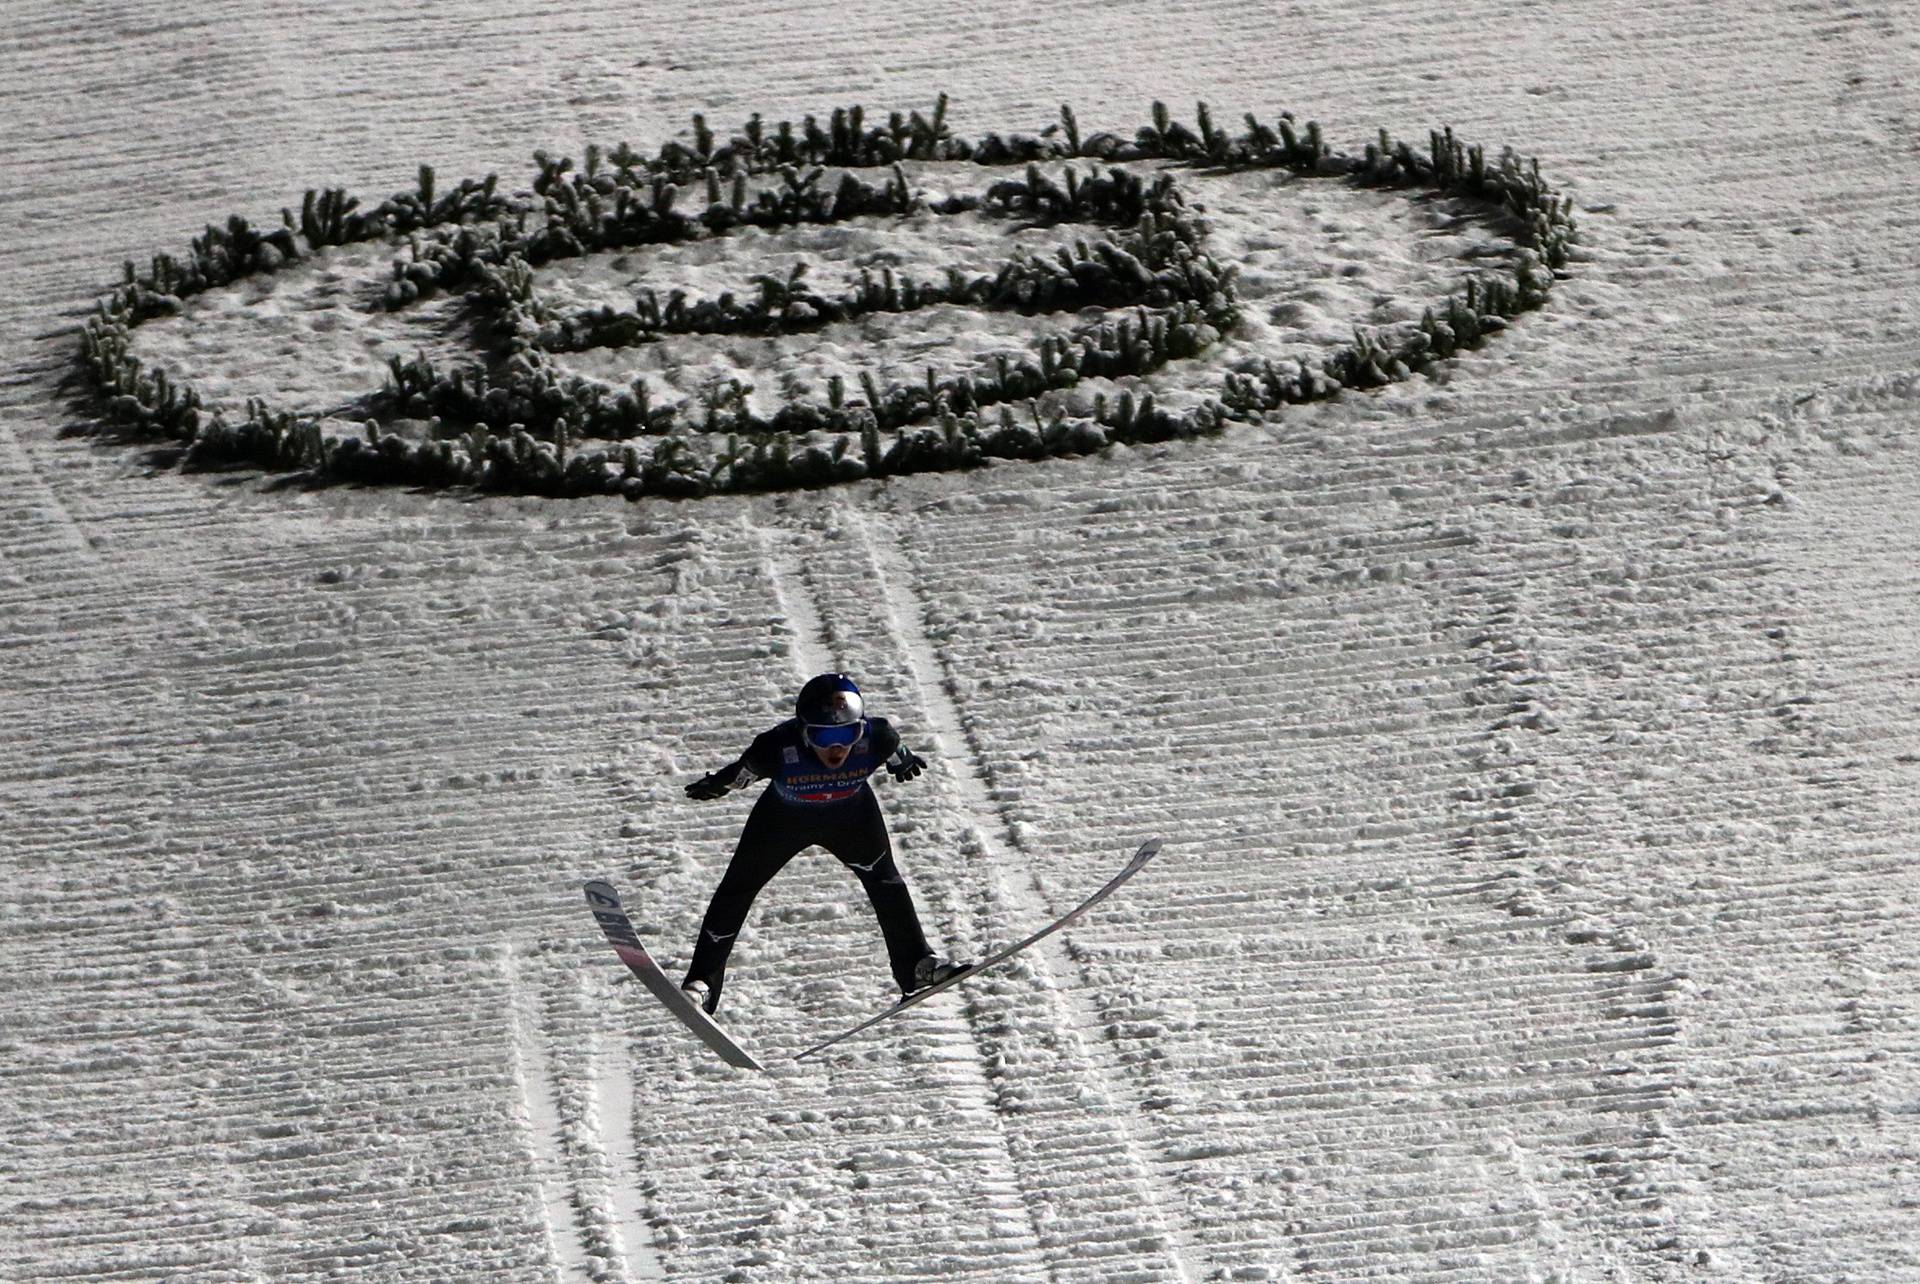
808,804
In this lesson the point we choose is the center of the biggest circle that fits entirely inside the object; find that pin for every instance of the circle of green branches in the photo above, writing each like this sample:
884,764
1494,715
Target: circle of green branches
516,422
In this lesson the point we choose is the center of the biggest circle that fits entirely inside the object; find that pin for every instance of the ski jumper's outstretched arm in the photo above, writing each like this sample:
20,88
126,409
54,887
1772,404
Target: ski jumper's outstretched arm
717,784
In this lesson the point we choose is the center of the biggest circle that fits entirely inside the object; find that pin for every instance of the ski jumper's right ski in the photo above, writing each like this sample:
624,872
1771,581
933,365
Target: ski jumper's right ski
1148,850
613,921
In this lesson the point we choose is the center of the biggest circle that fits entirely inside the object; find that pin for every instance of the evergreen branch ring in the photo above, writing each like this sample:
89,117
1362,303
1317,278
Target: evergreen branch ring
518,420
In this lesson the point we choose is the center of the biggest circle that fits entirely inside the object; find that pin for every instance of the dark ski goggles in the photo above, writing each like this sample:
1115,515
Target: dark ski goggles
835,737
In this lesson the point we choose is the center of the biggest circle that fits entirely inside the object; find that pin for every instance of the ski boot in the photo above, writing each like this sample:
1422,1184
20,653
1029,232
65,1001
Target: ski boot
703,992
934,969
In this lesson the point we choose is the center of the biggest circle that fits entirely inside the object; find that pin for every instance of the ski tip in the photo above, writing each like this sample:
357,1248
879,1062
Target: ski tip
600,892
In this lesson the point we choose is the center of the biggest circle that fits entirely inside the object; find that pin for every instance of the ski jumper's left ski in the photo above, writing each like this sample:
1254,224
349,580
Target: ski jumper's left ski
618,927
1148,850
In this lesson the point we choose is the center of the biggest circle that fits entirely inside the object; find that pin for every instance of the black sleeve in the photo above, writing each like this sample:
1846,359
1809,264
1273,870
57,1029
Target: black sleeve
762,758
882,737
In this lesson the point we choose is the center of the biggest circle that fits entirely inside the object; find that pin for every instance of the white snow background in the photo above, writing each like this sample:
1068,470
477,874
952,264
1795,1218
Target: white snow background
1535,744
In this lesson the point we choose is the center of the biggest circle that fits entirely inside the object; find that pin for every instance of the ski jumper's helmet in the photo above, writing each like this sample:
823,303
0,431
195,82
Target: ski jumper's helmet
831,710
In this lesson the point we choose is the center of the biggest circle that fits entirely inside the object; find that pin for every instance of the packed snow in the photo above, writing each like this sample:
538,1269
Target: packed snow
1534,743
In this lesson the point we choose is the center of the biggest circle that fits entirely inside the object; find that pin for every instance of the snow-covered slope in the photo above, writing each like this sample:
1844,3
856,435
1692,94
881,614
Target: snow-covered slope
1534,745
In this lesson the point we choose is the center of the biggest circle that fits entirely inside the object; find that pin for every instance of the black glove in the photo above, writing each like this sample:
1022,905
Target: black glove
714,784
906,764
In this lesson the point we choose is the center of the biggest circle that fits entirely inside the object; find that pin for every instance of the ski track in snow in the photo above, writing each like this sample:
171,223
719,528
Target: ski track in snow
547,1149
821,639
861,598
1535,744
618,1114
580,1129
1106,1106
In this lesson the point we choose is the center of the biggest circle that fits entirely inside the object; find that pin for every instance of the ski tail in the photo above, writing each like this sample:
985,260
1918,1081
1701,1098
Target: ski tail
1148,850
618,929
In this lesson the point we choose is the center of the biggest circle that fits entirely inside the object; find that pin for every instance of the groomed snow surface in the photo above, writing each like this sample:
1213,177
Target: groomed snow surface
1535,743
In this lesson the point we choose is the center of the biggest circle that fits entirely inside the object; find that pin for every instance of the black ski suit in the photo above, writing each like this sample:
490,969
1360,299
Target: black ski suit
807,804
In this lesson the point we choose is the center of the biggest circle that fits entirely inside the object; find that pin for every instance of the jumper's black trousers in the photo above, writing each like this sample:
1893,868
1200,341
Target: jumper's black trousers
776,832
